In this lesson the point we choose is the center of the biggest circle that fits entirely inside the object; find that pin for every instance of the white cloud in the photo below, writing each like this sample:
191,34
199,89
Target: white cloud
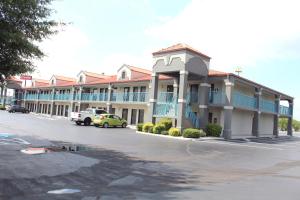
233,32
111,63
62,52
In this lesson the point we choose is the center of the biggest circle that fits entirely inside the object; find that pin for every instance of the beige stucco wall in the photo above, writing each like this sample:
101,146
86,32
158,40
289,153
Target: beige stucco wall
250,91
266,124
241,123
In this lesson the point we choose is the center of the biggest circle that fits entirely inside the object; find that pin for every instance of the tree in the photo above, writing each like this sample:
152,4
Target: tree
23,23
296,125
283,124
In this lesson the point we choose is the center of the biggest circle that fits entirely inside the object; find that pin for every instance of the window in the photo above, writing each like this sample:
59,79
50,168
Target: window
52,82
141,116
123,75
80,79
117,117
210,116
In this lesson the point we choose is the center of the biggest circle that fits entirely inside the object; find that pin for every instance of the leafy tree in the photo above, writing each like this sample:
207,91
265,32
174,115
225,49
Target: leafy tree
296,125
283,124
23,23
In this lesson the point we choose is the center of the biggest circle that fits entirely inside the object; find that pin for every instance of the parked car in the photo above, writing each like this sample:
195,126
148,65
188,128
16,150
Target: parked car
109,120
86,117
17,108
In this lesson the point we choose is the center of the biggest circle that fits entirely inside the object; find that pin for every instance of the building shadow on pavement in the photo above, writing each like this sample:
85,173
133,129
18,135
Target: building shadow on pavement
114,176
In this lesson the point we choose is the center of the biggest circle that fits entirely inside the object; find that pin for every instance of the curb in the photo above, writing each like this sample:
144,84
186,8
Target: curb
180,138
165,136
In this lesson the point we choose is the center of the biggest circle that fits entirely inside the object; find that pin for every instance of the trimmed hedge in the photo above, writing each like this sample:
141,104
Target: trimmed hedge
2,107
193,133
174,132
167,122
148,127
213,130
158,128
165,132
139,127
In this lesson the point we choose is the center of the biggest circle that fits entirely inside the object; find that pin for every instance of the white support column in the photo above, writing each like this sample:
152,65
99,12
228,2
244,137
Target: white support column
256,122
276,116
203,98
183,83
109,100
228,108
153,97
290,119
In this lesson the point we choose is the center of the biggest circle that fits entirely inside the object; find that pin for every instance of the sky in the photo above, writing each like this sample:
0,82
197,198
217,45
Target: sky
262,37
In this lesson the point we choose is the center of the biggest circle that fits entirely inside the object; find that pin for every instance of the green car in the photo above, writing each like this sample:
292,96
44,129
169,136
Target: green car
109,120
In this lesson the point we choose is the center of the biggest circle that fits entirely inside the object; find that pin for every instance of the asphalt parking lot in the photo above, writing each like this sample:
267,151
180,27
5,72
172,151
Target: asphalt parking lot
135,166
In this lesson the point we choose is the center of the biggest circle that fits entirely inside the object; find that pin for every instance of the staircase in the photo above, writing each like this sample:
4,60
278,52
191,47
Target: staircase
189,114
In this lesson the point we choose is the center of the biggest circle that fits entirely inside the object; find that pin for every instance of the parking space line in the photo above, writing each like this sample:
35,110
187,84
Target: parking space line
242,145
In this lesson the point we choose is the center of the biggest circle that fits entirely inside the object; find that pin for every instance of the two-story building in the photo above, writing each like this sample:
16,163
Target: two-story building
180,86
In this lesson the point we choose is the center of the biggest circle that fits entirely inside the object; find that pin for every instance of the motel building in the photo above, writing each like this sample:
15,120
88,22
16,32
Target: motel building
180,86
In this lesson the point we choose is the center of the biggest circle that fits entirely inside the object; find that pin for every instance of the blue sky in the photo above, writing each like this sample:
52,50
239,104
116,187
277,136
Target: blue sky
261,37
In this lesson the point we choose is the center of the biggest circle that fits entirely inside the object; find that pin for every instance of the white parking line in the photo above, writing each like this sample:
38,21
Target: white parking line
242,145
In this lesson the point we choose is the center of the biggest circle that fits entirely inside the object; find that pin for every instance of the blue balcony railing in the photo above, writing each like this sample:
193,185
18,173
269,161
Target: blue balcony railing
267,106
166,110
8,100
31,97
130,97
45,97
167,97
62,97
284,110
216,97
244,101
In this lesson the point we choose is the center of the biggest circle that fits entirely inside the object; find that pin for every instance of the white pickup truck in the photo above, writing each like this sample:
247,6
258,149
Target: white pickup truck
86,117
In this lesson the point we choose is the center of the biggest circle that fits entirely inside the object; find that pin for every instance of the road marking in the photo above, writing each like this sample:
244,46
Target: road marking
242,145
48,118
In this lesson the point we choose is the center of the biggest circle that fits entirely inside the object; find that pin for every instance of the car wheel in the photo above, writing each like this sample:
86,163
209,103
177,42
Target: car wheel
87,122
124,125
105,125
78,123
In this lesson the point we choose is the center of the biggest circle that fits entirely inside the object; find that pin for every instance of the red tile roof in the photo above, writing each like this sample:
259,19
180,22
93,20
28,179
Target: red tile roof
64,78
92,74
113,78
13,78
178,47
217,73
41,80
141,70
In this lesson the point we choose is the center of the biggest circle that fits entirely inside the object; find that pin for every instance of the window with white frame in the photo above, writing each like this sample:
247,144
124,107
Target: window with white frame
123,75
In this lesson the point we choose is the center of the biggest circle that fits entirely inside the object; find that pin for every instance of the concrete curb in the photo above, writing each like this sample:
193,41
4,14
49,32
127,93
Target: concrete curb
180,138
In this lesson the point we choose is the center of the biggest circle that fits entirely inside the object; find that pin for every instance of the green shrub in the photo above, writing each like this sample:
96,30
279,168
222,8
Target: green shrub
174,132
167,122
193,133
165,133
158,128
148,127
213,130
139,127
2,107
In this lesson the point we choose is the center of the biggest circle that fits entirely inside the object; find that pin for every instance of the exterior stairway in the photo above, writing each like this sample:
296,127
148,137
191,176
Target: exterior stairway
190,115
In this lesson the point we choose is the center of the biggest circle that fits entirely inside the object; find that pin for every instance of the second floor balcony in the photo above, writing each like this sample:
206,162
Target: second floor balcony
130,97
241,100
134,97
